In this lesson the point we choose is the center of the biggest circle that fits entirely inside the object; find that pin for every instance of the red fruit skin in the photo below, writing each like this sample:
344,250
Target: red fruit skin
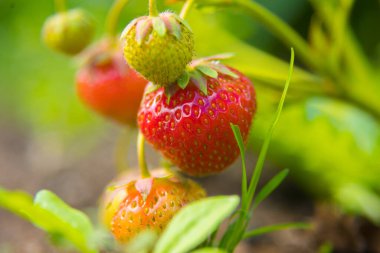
110,87
193,131
150,203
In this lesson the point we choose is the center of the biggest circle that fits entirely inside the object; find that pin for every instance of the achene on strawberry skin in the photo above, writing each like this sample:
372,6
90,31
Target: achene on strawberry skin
150,203
193,130
109,86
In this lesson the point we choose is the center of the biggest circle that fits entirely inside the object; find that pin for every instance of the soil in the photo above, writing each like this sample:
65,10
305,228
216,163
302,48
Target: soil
28,165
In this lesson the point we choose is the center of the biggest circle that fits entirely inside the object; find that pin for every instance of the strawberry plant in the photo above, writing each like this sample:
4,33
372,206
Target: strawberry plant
200,114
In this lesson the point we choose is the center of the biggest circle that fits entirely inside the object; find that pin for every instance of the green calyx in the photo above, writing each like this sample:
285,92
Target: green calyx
199,69
68,32
197,73
158,47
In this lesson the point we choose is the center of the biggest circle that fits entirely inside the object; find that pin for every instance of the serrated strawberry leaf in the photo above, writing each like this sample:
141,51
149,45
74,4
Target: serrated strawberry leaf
159,26
222,69
194,223
208,71
143,28
183,80
199,81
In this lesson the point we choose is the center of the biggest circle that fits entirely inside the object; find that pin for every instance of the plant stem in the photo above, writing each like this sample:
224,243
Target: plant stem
153,12
141,156
113,16
185,9
278,27
121,150
60,5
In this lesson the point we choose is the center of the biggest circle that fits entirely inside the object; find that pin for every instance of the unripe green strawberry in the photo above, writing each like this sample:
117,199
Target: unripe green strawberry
159,48
68,32
147,203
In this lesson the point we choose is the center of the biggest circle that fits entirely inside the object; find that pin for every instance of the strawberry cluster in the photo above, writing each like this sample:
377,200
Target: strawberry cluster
184,112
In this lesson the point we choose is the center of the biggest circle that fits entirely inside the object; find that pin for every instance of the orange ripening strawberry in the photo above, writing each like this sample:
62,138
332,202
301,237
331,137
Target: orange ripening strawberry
109,86
193,130
148,203
115,193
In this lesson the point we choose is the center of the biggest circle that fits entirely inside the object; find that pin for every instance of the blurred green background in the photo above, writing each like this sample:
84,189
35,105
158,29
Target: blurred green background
328,135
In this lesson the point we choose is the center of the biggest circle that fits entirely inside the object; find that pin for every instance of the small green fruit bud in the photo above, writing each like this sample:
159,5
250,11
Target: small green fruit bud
68,32
159,48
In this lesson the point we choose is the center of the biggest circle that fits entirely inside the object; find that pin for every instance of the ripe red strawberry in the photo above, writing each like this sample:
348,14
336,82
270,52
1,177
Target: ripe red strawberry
150,203
193,130
109,86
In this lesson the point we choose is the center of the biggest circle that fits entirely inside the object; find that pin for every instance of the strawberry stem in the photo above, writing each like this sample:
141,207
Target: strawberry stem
141,156
153,12
60,5
121,150
113,16
185,9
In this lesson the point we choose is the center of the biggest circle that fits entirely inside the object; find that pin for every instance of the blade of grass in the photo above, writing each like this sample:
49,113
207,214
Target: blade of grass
276,227
263,152
240,143
270,187
236,230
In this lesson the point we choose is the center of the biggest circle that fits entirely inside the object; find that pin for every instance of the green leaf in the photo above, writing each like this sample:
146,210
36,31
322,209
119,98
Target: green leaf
199,81
207,70
270,187
240,142
183,80
209,250
277,227
52,215
143,242
159,26
194,223
17,202
73,217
